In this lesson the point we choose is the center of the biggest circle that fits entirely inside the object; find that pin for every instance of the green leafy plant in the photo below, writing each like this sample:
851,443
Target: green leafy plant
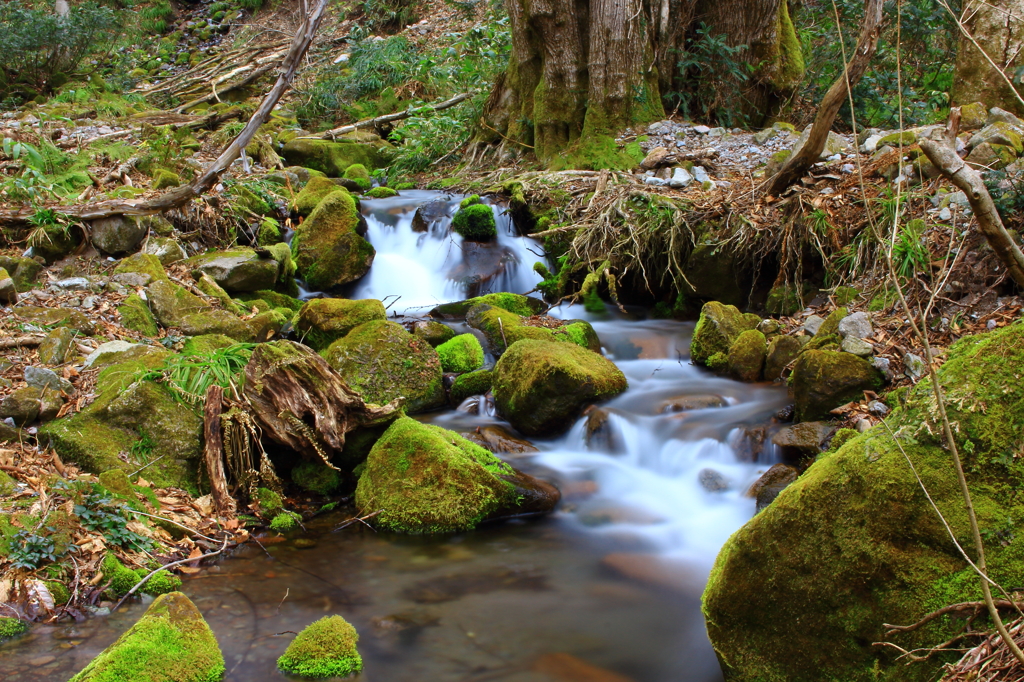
155,17
28,549
910,254
388,16
189,376
110,518
712,76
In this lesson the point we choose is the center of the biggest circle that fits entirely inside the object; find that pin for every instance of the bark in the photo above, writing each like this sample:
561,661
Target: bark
997,28
303,404
989,222
797,164
213,451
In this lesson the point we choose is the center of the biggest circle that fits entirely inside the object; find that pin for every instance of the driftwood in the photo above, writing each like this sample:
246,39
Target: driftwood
381,120
302,403
213,452
989,222
179,196
797,164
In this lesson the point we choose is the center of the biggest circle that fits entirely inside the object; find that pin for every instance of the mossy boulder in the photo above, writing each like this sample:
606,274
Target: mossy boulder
117,235
237,270
475,223
382,193
8,292
524,306
272,299
54,242
136,315
333,158
23,271
502,329
170,643
747,355
358,174
55,347
142,264
322,321
326,648
717,328
328,248
460,354
313,193
208,286
822,380
57,317
206,344
540,387
470,384
782,350
827,337
383,361
434,333
123,579
174,306
802,591
425,479
165,179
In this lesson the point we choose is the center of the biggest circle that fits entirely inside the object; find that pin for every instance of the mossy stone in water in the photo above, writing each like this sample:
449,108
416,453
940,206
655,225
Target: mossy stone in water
801,591
321,321
470,384
327,247
11,627
475,223
313,193
823,380
461,354
542,386
719,325
383,361
502,329
326,648
513,303
381,193
170,643
425,479
747,355
358,174
434,333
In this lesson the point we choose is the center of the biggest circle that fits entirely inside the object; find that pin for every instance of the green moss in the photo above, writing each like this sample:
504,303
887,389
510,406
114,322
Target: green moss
116,481
272,299
513,303
471,200
461,354
327,249
822,380
747,355
803,589
136,315
502,328
718,326
845,295
6,484
358,174
381,193
165,179
594,152
313,193
121,579
269,232
425,479
383,362
718,362
475,222
11,627
162,582
144,264
206,343
284,522
434,333
316,477
470,384
170,642
790,69
326,648
270,502
322,321
59,591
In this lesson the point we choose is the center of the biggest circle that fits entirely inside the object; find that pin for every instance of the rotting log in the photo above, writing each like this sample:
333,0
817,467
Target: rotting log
989,223
387,118
301,403
805,157
179,196
213,451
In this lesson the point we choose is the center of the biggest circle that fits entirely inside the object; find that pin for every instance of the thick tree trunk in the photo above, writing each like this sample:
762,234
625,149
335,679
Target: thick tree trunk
997,27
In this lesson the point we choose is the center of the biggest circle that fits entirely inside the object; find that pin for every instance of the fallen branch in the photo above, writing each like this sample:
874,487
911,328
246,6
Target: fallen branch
374,122
214,95
21,342
975,606
164,568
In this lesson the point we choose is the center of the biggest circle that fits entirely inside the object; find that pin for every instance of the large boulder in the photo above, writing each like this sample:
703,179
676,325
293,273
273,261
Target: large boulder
174,306
170,643
382,361
313,193
803,590
238,270
328,248
822,380
540,387
425,479
117,235
333,158
502,329
718,327
322,321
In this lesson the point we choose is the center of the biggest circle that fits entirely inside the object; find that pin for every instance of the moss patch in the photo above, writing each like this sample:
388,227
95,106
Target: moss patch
502,329
358,174
322,321
327,248
469,384
313,193
316,477
11,627
461,354
326,648
136,315
719,325
475,223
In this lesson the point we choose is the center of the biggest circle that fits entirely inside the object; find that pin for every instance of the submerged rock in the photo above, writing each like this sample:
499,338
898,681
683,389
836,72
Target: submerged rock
541,386
328,248
326,648
170,643
430,216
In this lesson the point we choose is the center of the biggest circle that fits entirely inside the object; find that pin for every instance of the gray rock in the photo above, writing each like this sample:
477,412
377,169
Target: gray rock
109,347
813,323
701,176
131,279
771,483
995,114
40,377
763,136
884,366
702,129
913,366
73,284
945,215
712,481
769,326
165,249
871,144
805,437
857,325
859,347
8,294
240,272
116,235
878,408
655,181
680,178
717,132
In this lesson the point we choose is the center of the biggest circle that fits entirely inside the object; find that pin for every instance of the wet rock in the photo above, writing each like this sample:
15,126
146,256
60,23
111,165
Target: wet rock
718,327
686,403
469,384
170,643
434,333
541,386
748,443
782,350
857,346
482,264
567,668
824,380
454,586
804,438
430,216
40,377
518,304
165,249
54,348
116,235
856,325
8,292
502,329
328,248
600,432
771,483
498,440
322,321
238,270
712,481
747,356
474,221
656,571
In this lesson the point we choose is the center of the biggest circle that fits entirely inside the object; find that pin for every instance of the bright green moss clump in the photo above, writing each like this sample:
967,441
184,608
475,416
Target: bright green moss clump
170,643
471,383
461,354
719,325
513,303
802,590
358,174
327,248
502,328
326,648
316,477
269,502
136,315
165,179
381,193
11,627
284,522
475,223
425,479
122,579
313,193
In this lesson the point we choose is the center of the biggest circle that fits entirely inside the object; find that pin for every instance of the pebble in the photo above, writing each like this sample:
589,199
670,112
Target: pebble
914,366
712,481
680,178
857,325
702,129
72,283
858,347
878,408
863,425
883,366
813,323
945,215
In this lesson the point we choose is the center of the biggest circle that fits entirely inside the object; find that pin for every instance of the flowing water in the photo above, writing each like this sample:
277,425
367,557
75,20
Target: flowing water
606,589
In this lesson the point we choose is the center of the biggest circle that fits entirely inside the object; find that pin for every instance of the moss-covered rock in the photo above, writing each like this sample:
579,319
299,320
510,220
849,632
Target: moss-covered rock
322,321
53,242
143,264
381,193
165,179
502,329
208,286
122,579
136,315
170,643
827,337
524,306
332,158
174,306
23,271
475,223
237,270
461,354
11,628
469,384
358,174
54,348
326,648
434,333
718,327
822,380
272,299
117,235
747,355
313,193
206,344
540,387
782,350
328,248
802,591
316,477
383,361
57,317
425,479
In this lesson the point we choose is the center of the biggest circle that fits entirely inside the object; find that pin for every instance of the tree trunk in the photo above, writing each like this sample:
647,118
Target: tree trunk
997,26
213,451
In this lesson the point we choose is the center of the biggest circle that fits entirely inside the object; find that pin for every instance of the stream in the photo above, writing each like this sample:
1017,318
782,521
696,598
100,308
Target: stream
612,580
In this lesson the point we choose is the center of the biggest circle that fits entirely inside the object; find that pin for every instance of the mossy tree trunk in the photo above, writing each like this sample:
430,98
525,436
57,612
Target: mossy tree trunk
997,26
583,70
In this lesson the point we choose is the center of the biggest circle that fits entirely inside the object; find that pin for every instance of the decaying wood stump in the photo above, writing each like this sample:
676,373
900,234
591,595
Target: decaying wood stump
302,403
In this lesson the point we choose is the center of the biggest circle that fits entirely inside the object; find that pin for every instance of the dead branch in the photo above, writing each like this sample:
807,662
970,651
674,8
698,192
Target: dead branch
797,164
180,196
164,568
975,606
374,122
989,222
21,342
213,451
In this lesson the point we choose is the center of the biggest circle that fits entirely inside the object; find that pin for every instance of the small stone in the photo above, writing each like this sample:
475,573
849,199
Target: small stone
132,279
913,366
769,326
863,425
680,178
827,191
40,377
945,215
883,366
990,325
712,481
763,136
806,437
701,129
654,158
878,408
717,132
89,302
858,347
657,182
857,325
771,483
847,168
700,174
813,323
73,284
